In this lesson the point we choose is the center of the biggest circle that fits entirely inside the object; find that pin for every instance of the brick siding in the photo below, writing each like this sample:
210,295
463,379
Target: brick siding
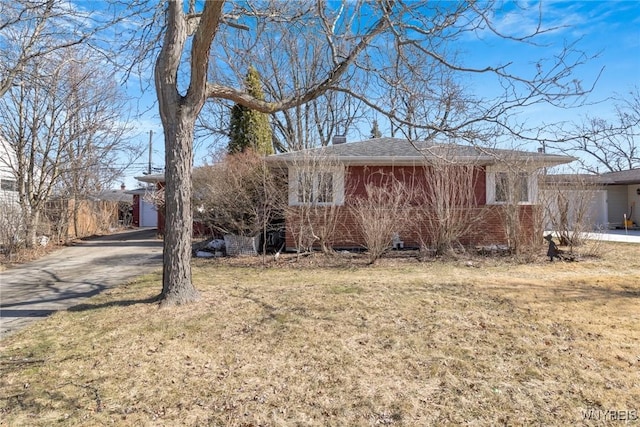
347,235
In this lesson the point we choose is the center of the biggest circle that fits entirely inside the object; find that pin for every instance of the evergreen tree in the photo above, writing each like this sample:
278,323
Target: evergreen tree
375,130
237,129
249,128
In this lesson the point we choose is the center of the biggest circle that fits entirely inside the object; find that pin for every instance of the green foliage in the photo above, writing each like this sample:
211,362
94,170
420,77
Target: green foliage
249,128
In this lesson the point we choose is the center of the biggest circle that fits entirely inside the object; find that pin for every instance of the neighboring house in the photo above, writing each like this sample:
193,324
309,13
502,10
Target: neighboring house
121,201
354,164
623,196
145,213
610,196
10,214
8,187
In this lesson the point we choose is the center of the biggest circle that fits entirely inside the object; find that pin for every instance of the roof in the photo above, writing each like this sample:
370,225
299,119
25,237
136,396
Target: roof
631,176
151,178
113,196
140,190
571,179
403,151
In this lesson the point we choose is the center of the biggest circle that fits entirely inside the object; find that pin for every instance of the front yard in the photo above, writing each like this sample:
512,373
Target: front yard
479,342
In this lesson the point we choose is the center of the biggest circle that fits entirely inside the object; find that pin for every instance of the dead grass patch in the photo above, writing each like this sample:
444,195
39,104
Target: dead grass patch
399,343
26,255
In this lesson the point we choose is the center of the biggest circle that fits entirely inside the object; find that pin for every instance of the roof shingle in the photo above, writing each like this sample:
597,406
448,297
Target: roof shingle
398,150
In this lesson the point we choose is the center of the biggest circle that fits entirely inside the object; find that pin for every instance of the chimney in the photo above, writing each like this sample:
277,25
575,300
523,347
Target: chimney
339,139
122,186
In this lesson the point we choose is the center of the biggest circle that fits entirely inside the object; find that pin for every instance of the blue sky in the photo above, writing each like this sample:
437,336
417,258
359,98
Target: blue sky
608,29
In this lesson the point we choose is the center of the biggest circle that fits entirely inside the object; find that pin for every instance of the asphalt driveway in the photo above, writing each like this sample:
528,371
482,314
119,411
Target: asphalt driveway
64,278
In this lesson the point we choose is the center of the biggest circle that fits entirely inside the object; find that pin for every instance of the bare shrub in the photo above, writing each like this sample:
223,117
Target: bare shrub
594,246
57,215
382,213
154,196
316,185
10,226
513,195
567,202
448,205
106,215
238,195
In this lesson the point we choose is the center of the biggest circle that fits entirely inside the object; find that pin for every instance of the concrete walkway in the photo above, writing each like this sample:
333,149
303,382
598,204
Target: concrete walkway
625,236
630,236
65,277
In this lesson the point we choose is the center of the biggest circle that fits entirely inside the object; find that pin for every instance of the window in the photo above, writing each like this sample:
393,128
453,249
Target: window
325,187
514,187
322,188
8,185
503,186
305,187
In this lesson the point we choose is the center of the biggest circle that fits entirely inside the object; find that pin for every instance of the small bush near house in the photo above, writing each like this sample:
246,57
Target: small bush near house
238,195
383,211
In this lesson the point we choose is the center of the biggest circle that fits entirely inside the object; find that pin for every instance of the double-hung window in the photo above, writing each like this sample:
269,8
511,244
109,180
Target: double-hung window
508,183
324,187
510,187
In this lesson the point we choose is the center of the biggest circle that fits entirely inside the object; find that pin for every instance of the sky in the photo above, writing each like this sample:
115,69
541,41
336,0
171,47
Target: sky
608,30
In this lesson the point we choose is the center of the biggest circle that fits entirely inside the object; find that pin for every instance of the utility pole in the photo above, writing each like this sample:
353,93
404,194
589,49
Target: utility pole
150,150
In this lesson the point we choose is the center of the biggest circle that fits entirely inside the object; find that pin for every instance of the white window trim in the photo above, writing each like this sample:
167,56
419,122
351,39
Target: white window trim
532,186
338,185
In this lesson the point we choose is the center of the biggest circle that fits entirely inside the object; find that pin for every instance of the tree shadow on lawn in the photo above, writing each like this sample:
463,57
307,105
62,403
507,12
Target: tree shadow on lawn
108,304
572,291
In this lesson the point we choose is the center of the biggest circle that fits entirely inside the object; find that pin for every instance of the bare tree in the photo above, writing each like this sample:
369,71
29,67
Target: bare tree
64,121
608,145
31,30
309,125
98,148
353,58
315,123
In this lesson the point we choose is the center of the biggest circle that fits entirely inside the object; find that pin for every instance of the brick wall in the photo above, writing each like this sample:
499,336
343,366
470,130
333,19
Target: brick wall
346,234
357,177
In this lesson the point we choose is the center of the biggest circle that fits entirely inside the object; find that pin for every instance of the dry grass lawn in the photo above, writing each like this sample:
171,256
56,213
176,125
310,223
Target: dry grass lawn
338,343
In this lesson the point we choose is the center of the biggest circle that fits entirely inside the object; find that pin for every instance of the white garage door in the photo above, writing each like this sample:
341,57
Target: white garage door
148,215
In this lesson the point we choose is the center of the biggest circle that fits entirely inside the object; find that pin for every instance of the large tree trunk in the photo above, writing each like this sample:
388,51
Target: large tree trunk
31,228
179,114
31,217
177,287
